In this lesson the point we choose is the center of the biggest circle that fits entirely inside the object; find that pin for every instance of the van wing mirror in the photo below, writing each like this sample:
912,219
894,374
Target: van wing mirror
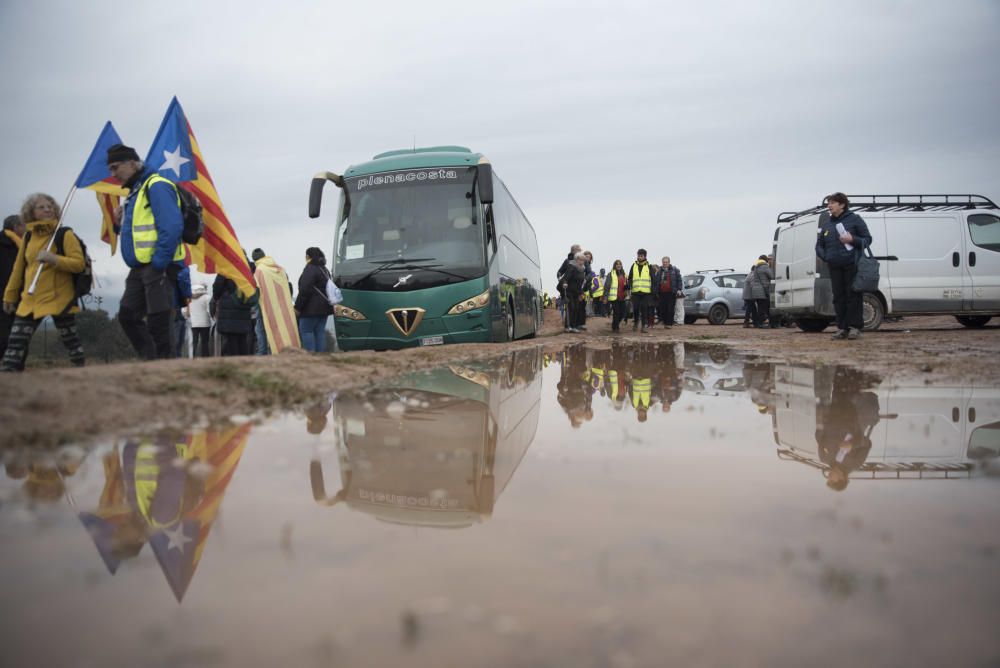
485,180
316,190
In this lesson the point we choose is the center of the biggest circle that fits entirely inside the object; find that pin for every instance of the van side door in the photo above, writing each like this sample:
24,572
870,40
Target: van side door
928,275
982,259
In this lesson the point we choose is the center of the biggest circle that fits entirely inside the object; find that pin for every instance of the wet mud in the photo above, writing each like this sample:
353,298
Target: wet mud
591,502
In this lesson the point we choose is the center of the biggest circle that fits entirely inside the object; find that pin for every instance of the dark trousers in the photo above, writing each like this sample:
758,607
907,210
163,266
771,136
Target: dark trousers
576,309
146,313
640,308
235,344
617,313
665,308
761,311
6,320
23,329
180,333
201,344
846,302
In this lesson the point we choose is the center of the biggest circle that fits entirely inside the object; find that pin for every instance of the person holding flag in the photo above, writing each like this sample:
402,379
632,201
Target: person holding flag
150,228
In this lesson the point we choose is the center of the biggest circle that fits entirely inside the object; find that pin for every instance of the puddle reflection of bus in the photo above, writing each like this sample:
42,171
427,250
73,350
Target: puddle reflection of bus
911,430
436,448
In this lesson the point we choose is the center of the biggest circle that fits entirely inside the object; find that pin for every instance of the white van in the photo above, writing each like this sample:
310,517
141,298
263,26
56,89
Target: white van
938,255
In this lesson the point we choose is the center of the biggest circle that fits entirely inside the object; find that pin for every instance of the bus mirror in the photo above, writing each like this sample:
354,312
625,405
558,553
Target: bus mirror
485,179
316,190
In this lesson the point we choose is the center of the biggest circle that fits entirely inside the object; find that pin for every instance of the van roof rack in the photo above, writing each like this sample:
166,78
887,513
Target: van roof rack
709,271
900,203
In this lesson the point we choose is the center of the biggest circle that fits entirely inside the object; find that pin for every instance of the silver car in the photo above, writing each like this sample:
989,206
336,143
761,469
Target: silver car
714,294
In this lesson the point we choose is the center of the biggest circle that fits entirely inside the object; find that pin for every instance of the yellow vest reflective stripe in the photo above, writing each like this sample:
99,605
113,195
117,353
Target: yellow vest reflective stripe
641,388
596,287
613,288
613,382
144,226
640,278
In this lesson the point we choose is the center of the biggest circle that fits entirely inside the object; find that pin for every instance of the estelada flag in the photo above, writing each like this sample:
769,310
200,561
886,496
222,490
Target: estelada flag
176,156
95,176
276,306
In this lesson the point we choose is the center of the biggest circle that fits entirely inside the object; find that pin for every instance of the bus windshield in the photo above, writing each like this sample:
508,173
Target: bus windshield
420,221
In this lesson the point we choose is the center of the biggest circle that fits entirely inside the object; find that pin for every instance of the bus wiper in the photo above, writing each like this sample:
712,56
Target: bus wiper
387,264
434,267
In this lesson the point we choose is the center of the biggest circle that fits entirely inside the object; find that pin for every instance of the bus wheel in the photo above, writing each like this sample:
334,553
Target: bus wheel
872,312
718,314
812,324
973,321
509,319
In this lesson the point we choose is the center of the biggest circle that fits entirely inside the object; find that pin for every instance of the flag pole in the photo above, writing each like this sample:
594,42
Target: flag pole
69,198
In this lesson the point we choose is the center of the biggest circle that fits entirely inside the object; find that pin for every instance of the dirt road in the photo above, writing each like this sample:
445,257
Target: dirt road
58,406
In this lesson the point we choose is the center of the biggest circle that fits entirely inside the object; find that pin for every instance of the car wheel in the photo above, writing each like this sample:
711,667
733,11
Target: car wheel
812,324
718,314
690,319
973,321
872,312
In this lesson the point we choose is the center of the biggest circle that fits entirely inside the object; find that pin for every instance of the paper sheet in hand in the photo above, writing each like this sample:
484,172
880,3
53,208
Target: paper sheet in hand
841,231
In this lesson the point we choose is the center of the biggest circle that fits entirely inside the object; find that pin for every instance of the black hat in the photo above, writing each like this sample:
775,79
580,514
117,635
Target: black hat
121,153
257,254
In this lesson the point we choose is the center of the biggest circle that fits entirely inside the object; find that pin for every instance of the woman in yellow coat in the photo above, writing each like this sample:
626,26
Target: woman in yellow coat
54,294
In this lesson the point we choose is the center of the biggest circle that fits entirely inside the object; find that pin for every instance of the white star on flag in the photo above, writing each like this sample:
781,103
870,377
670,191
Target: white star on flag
173,161
176,538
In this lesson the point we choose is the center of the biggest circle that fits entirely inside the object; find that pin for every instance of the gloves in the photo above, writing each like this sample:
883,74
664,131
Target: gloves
9,307
47,257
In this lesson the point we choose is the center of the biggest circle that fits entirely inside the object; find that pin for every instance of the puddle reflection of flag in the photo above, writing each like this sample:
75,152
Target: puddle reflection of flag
176,156
119,528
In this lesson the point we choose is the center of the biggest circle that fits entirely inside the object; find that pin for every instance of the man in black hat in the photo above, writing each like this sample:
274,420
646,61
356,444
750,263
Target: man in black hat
150,225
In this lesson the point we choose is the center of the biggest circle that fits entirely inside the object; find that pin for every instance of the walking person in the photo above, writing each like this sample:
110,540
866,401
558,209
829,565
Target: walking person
669,286
748,303
311,305
759,280
55,293
201,320
588,274
10,246
150,228
616,294
640,286
574,285
560,275
182,297
233,314
839,243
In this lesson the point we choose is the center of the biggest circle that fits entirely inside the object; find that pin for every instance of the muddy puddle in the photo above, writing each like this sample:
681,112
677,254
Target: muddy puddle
627,506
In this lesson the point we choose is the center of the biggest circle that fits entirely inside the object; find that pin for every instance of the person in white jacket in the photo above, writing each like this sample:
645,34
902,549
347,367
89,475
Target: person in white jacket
201,320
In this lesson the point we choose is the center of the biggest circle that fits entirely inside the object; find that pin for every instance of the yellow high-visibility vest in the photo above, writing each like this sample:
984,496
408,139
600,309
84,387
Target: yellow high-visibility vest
613,383
613,288
641,388
640,278
596,287
597,379
143,225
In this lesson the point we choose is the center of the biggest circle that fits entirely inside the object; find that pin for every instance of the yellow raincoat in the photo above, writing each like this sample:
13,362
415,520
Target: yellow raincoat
55,290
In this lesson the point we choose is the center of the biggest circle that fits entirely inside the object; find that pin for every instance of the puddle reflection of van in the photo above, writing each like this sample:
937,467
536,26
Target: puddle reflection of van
938,255
438,448
920,431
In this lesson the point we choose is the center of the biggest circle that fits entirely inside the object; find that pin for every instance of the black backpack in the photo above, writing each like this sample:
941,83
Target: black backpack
83,282
194,224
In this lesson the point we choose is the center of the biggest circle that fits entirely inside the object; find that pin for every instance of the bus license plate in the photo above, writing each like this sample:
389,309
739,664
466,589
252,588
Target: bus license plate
432,341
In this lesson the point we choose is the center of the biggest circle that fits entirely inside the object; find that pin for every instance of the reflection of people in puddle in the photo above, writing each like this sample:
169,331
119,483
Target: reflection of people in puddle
43,479
316,416
641,388
844,434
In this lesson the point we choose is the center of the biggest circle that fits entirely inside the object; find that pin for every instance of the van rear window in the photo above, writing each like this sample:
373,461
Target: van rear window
985,231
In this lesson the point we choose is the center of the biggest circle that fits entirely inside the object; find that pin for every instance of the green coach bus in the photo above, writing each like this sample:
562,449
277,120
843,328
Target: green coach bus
430,248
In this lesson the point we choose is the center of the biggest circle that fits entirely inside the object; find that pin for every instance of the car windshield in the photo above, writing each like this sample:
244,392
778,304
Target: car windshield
693,281
407,221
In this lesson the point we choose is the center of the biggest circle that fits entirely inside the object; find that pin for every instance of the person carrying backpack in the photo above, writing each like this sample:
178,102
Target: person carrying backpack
312,305
55,292
151,227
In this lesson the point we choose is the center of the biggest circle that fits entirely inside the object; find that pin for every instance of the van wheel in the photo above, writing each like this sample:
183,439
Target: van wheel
973,321
872,312
812,324
509,320
718,314
690,319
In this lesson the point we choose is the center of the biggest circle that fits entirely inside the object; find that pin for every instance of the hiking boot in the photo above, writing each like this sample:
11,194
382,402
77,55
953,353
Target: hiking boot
568,330
583,328
853,334
842,334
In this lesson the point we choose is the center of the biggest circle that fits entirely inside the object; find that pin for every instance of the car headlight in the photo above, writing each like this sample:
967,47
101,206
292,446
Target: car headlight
341,311
471,303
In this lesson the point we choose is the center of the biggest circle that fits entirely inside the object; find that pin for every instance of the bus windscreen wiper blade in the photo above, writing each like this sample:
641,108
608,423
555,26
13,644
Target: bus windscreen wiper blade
433,267
387,264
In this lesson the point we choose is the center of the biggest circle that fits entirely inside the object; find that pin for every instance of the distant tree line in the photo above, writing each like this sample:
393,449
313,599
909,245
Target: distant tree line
102,338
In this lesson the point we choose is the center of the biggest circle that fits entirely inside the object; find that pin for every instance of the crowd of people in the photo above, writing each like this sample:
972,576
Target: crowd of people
42,262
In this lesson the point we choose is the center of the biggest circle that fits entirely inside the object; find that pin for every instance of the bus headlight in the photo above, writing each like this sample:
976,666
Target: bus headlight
341,311
478,301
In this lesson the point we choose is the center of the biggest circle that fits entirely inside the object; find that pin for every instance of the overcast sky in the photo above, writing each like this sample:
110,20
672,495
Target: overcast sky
681,127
